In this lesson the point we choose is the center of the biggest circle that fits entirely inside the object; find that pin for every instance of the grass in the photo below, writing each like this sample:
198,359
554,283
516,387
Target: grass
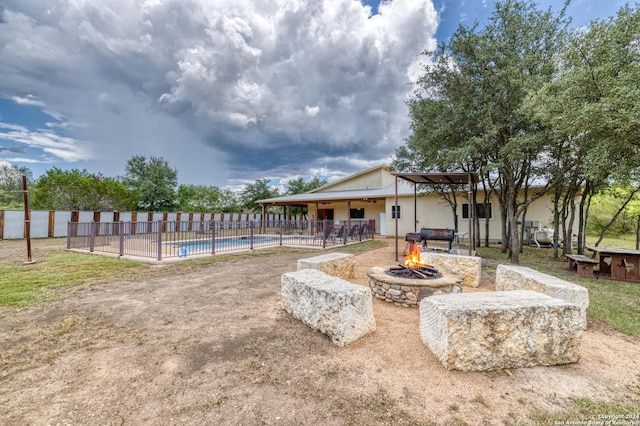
611,302
585,410
24,285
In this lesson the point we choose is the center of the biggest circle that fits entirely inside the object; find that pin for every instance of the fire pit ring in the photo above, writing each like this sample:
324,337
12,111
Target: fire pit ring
408,292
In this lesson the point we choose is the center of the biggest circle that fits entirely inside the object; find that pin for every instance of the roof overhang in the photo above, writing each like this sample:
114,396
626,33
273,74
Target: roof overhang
440,178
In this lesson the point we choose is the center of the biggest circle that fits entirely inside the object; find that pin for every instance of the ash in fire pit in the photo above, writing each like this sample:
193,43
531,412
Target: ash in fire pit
419,272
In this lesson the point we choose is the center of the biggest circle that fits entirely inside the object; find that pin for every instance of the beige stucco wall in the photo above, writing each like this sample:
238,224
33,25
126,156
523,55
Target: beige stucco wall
433,212
375,178
341,210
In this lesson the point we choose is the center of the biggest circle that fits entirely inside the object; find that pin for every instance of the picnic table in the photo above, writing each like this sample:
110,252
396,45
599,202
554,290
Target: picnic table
619,264
582,264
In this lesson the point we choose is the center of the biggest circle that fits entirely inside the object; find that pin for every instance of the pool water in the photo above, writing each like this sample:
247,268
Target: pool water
204,246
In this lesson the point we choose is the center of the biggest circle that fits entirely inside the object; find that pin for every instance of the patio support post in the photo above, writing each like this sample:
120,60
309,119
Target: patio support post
415,207
472,220
348,220
396,217
264,218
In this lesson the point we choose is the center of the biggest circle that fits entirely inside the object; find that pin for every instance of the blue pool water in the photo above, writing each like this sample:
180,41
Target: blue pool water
204,246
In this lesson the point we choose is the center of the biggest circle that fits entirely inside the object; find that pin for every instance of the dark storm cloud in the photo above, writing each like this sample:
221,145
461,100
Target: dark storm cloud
223,90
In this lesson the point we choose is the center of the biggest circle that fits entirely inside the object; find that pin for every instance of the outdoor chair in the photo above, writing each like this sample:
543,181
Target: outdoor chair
337,235
353,234
364,230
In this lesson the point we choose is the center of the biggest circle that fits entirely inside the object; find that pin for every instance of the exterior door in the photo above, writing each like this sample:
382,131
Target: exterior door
325,214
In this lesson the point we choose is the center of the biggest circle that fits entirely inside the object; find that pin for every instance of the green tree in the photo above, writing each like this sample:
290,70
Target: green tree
153,181
593,104
229,201
467,110
80,190
300,186
258,190
199,198
11,196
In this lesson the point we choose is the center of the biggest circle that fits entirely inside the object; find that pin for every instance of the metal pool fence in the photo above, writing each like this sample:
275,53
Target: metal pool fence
169,239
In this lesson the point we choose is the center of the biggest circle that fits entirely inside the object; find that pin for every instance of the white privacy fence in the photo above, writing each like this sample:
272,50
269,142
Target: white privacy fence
50,223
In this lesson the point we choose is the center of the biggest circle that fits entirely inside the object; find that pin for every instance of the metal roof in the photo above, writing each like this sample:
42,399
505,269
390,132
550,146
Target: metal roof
343,195
439,178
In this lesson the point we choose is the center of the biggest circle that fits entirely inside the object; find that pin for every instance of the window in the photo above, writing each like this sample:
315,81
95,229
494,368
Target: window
395,209
482,211
356,213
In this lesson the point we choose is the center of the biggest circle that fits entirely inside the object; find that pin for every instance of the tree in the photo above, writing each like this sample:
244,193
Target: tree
593,104
299,186
153,181
199,198
229,201
11,196
259,190
467,110
80,190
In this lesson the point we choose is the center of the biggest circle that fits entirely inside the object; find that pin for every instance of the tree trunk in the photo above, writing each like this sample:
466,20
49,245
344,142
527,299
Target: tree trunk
638,234
514,237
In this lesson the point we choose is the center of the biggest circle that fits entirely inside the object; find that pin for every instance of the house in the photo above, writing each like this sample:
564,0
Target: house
371,195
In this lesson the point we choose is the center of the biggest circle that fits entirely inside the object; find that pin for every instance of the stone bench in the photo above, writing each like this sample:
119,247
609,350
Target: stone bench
582,264
496,330
469,267
331,305
511,277
339,265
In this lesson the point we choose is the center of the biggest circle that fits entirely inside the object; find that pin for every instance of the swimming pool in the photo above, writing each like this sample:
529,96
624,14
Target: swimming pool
222,244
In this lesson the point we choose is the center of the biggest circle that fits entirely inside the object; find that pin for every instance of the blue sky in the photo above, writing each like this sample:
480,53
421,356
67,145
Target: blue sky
227,92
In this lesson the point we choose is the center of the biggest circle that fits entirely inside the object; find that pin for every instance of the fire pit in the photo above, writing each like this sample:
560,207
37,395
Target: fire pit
405,285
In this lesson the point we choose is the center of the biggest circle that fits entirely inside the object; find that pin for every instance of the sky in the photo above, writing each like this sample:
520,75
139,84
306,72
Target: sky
227,91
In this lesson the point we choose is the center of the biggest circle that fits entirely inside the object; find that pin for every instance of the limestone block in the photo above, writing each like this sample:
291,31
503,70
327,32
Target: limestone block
510,329
469,267
511,277
339,265
331,305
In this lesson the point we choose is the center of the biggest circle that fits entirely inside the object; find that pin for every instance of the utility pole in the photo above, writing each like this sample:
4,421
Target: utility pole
27,221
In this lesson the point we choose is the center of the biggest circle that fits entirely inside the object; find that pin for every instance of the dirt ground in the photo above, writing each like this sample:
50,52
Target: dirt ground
214,346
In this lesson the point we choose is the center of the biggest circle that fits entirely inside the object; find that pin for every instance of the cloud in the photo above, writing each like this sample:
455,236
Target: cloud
58,147
222,90
28,100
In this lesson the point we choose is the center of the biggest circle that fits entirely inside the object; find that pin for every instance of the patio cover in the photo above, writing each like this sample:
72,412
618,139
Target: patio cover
470,179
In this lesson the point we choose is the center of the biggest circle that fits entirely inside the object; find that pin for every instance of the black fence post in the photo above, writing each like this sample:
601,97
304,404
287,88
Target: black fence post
325,223
212,225
159,239
251,235
92,236
121,232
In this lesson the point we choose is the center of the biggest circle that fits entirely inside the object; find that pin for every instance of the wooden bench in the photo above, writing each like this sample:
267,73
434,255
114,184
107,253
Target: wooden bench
582,264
